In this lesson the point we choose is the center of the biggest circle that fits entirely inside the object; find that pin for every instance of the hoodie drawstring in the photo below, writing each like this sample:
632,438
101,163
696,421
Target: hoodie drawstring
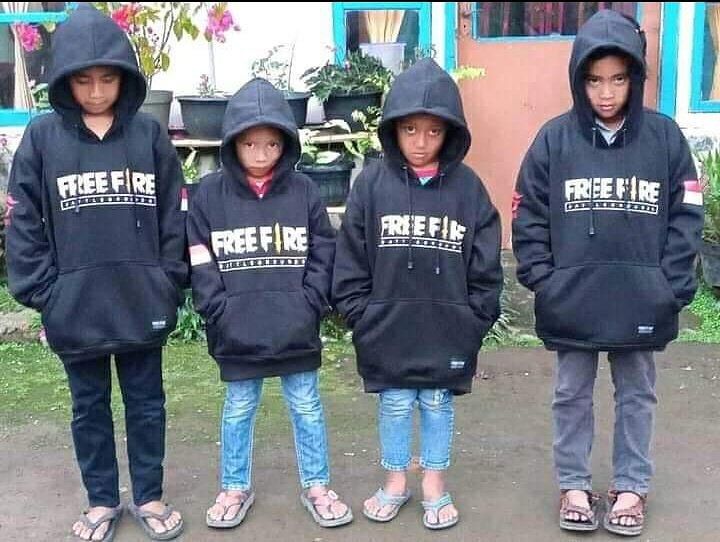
128,180
410,263
437,246
591,227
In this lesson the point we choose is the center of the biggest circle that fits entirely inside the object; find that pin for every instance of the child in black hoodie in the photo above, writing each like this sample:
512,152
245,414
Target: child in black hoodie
261,252
96,242
418,278
608,215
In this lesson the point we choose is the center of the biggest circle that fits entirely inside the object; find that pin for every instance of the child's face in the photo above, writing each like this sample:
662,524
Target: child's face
96,89
607,84
420,138
259,149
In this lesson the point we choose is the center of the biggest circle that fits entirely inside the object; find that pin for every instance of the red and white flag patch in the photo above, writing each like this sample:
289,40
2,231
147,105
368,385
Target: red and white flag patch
10,203
199,255
693,193
183,199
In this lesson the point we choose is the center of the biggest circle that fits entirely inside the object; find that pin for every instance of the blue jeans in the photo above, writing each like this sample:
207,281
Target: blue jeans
633,374
306,413
437,420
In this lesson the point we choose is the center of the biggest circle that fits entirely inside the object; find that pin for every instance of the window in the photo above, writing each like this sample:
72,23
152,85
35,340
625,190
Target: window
706,56
393,31
21,69
538,19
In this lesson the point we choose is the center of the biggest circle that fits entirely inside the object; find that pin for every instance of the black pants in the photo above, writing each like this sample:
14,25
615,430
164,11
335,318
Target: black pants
140,377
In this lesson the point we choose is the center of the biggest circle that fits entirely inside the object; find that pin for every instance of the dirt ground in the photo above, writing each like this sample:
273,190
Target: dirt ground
501,478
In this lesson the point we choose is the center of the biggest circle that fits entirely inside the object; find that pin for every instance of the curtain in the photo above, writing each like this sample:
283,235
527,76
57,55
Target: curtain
383,26
23,98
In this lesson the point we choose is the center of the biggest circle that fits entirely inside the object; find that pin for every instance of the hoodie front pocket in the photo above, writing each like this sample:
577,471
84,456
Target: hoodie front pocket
423,341
123,303
265,324
607,304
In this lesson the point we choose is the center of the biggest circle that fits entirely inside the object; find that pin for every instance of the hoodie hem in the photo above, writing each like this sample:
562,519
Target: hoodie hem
458,386
556,344
241,368
105,349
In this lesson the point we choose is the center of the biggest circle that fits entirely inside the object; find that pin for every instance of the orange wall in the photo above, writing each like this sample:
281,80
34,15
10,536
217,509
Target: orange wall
526,84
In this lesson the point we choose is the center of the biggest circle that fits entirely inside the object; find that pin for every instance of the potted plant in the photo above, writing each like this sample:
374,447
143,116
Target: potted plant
203,114
710,248
356,84
149,25
329,169
279,72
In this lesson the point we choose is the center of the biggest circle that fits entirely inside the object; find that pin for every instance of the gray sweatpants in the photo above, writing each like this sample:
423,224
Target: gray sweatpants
633,374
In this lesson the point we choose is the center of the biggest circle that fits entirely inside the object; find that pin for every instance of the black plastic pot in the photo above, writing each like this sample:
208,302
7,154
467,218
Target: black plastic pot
298,103
333,180
202,117
710,259
341,106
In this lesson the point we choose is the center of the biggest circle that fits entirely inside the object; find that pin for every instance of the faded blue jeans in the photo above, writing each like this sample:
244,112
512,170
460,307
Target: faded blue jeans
633,374
437,419
302,397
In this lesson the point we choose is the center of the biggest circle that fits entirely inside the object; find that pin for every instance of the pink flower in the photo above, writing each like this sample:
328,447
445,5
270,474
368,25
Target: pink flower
29,36
220,20
124,16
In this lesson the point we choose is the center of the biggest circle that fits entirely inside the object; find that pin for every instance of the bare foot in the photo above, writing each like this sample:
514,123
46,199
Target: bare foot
433,486
327,503
395,485
158,507
93,514
577,497
227,505
624,501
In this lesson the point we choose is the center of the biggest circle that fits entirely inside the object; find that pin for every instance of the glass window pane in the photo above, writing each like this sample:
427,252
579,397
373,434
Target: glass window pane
711,41
527,19
38,7
37,60
391,35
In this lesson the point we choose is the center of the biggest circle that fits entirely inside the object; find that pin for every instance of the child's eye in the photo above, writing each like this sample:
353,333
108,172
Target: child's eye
109,79
435,132
620,79
592,81
81,80
248,145
409,129
274,145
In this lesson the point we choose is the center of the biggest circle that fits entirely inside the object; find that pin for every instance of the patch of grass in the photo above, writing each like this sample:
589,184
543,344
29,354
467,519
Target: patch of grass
707,308
7,303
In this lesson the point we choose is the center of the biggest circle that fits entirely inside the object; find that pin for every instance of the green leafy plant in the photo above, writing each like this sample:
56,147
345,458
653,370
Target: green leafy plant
357,74
710,165
314,154
273,68
190,169
368,142
190,326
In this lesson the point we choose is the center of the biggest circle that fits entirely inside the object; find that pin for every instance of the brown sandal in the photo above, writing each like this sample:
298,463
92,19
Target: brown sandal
636,512
591,521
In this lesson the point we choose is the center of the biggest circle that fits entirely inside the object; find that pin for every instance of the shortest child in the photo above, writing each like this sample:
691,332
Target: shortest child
262,248
418,278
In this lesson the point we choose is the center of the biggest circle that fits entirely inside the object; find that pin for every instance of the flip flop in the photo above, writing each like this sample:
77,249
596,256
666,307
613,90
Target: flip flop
112,516
310,504
238,518
141,516
590,524
637,512
385,499
435,506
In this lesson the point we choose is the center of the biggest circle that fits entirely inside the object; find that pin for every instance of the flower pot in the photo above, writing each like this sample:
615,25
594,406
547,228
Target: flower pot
333,180
710,259
203,116
341,106
298,103
157,103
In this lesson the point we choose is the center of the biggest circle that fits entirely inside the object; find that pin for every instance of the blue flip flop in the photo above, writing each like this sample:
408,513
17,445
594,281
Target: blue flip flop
384,499
435,506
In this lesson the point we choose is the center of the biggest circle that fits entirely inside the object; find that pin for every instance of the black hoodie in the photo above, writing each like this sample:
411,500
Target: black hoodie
417,273
261,268
96,239
606,235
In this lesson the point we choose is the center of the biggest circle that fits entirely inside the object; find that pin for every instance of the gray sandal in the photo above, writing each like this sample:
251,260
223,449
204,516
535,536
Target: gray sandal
112,517
311,502
238,518
435,506
141,516
384,499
